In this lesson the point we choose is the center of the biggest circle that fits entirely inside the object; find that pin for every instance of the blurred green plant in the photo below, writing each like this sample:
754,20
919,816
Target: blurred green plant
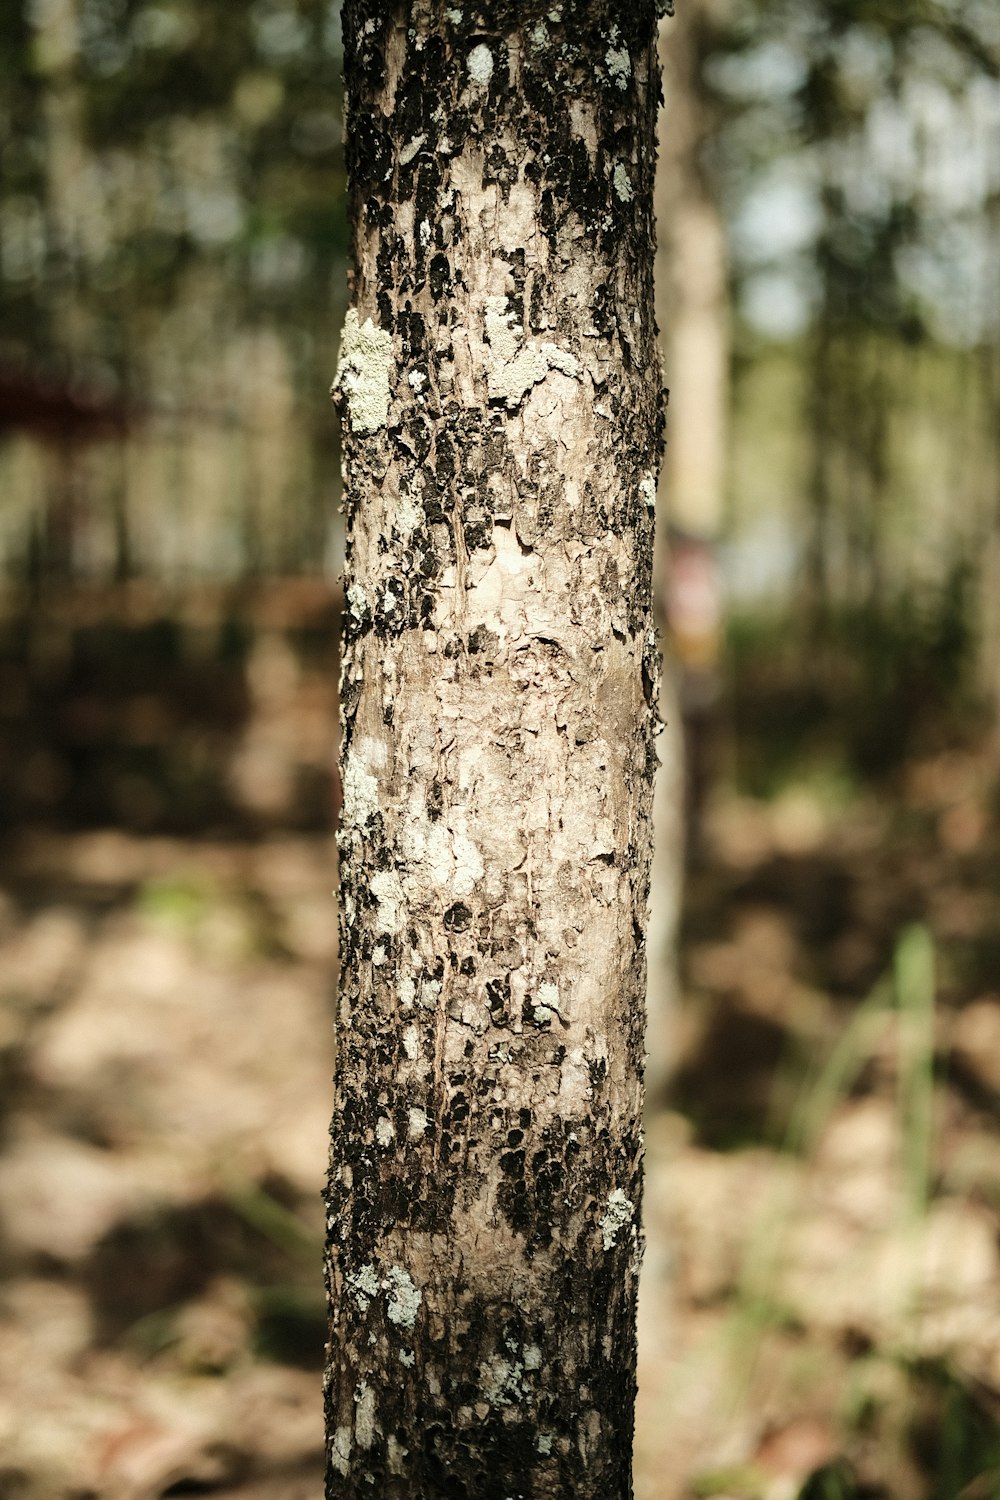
180,901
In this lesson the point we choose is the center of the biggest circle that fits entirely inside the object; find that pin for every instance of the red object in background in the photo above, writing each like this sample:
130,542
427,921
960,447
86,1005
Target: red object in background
695,604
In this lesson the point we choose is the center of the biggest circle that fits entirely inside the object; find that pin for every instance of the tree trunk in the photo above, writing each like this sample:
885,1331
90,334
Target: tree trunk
692,299
500,396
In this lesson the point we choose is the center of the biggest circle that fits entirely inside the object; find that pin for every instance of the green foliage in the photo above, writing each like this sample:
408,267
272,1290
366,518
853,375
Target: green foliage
177,901
210,130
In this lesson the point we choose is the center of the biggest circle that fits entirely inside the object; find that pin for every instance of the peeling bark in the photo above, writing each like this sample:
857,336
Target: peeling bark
500,396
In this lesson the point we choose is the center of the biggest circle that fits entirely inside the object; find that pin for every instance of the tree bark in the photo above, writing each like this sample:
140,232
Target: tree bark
500,397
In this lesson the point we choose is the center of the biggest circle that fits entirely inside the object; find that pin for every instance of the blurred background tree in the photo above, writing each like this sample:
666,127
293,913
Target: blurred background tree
173,245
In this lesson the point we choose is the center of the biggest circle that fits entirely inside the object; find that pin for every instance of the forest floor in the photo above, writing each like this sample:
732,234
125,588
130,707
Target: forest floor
820,1310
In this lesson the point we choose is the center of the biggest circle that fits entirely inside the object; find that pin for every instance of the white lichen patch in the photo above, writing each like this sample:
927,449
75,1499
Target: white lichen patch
363,372
407,992
404,1297
480,64
379,955
357,602
409,513
544,1443
538,37
387,888
647,489
364,1416
454,16
469,868
430,989
411,148
384,1132
418,1123
500,1380
360,793
340,1451
532,1357
407,1358
547,1005
548,994
619,66
364,1285
619,1213
411,1040
513,367
425,232
622,184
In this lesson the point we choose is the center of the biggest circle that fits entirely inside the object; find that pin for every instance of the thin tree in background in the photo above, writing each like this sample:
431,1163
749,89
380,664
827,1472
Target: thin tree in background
500,396
692,297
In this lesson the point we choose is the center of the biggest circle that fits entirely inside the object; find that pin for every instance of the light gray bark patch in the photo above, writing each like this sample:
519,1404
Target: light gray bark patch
363,372
513,367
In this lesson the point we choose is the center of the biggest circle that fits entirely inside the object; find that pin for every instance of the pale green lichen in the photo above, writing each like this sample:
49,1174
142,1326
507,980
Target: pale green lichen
364,1285
538,37
623,184
619,66
619,1213
363,372
404,1297
501,1379
480,64
513,368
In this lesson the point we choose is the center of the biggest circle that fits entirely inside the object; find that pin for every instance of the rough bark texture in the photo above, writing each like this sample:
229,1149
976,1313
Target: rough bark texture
500,394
